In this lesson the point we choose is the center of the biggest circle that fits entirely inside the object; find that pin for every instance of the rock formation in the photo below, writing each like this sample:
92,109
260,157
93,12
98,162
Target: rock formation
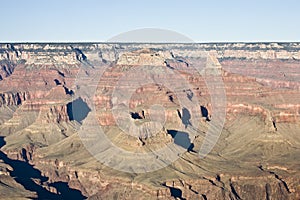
42,114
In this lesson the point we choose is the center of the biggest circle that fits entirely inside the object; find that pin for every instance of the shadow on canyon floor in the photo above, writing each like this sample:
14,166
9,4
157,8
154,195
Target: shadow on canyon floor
24,173
78,110
175,192
182,139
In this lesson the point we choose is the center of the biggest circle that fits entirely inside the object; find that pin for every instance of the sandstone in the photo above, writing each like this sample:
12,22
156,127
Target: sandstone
256,156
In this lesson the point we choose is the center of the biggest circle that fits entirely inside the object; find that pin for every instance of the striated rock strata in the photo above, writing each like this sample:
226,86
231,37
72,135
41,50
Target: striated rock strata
256,156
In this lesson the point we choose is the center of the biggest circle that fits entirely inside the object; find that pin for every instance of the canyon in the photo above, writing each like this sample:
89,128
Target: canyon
54,97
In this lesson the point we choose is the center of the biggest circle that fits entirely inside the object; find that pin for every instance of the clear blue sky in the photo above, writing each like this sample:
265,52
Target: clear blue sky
99,20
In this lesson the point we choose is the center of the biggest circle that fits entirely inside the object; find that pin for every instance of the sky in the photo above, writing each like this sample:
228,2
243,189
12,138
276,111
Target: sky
100,20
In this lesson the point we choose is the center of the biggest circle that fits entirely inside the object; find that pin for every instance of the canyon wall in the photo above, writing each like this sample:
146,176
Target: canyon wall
256,156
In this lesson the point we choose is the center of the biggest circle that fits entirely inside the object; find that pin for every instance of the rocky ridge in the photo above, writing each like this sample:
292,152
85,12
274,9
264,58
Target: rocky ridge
259,140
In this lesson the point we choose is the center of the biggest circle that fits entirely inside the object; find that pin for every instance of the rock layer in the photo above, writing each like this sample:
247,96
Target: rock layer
256,156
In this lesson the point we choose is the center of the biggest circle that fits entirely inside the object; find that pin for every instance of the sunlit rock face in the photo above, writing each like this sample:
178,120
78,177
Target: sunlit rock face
256,156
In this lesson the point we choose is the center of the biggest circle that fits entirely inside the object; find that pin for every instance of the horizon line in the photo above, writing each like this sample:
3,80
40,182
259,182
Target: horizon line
134,42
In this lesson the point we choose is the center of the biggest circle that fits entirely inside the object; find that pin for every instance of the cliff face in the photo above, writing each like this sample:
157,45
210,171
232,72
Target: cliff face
61,54
41,116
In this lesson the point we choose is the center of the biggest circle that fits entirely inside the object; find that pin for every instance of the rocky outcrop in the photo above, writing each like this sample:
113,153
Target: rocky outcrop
67,54
237,187
6,68
13,98
256,156
143,57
